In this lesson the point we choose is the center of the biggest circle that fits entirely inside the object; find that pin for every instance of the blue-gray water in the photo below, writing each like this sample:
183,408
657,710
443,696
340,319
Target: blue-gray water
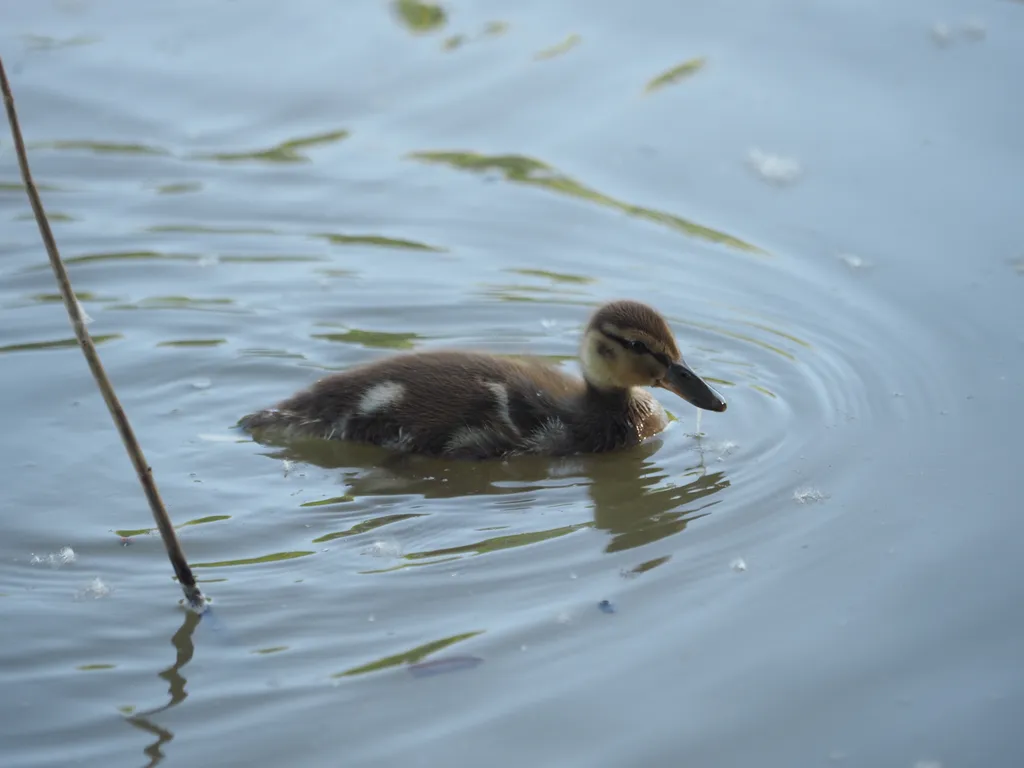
825,201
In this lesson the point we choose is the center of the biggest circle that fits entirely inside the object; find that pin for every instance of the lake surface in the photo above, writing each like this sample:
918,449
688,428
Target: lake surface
823,198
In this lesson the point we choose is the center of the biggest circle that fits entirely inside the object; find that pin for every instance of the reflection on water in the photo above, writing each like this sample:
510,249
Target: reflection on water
48,43
180,302
192,343
371,339
179,188
99,147
419,17
677,73
184,648
51,215
555,277
119,256
383,242
561,48
633,497
526,170
362,527
271,558
127,532
560,286
57,344
285,152
410,656
19,188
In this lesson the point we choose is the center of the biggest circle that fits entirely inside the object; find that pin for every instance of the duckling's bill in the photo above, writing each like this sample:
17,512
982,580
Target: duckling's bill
682,381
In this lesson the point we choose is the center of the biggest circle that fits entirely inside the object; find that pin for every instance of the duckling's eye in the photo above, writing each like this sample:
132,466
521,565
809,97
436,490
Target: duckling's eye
637,346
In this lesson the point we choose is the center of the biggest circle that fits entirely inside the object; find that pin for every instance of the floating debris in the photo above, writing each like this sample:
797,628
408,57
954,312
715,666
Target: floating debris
606,606
441,666
738,565
55,559
808,495
775,169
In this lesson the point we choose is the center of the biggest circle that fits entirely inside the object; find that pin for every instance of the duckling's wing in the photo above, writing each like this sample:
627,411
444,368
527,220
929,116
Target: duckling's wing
450,403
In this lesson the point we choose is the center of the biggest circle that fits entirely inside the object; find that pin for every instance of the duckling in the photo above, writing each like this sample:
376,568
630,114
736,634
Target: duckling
473,405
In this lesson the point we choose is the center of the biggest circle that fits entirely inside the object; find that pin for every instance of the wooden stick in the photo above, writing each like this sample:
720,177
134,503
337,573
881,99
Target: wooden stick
193,595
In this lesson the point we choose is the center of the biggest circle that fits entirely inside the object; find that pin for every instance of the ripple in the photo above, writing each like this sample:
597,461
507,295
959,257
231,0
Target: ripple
372,339
419,17
526,170
100,147
792,374
37,346
379,241
286,152
411,656
677,73
559,49
271,558
208,304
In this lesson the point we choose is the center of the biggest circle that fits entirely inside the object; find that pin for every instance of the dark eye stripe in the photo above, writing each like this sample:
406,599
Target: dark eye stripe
640,348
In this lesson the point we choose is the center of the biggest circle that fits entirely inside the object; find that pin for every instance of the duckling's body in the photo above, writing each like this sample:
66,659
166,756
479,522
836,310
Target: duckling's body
475,405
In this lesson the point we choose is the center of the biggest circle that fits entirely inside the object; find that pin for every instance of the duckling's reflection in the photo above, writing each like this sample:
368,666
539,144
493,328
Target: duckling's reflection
635,498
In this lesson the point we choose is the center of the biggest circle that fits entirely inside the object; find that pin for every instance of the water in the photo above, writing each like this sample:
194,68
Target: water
249,195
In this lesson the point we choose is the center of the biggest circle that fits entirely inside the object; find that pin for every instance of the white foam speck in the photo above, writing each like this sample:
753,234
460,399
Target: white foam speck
202,384
211,260
383,549
808,495
287,466
95,589
854,262
738,565
55,559
927,764
775,169
563,617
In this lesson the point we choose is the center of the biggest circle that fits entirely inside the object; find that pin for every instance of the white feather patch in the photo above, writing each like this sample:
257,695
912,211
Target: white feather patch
380,396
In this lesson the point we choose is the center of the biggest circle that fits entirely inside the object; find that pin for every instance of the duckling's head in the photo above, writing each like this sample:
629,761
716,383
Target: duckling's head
628,344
